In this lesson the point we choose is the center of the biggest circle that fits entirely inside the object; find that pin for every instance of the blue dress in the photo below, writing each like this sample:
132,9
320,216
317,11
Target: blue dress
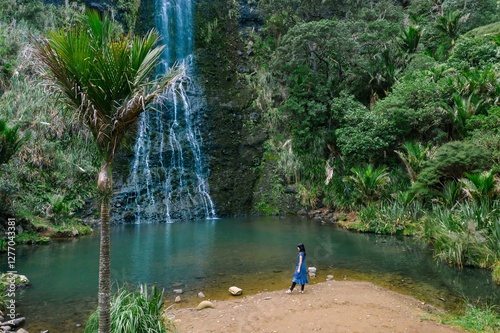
300,278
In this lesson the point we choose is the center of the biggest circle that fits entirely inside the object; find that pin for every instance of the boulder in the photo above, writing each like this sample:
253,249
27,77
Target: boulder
311,269
235,291
18,280
177,299
15,322
178,291
201,295
204,305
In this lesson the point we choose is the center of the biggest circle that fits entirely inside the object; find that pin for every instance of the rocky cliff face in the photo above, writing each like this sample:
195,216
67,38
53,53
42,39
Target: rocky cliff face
234,136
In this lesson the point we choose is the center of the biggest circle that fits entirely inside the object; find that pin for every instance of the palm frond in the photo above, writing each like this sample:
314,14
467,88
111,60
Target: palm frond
104,75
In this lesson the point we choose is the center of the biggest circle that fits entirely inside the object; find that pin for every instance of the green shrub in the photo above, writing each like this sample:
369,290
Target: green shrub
365,136
338,194
391,218
414,108
485,132
451,161
413,157
473,52
265,207
8,56
134,311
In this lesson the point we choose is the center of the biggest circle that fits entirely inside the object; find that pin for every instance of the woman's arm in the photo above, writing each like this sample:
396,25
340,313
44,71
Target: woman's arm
300,264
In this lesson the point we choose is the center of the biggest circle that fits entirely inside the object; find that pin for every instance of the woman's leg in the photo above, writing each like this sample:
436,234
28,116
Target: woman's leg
302,287
293,286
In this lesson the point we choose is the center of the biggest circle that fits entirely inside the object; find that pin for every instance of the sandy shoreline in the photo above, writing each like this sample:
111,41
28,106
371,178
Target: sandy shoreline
332,306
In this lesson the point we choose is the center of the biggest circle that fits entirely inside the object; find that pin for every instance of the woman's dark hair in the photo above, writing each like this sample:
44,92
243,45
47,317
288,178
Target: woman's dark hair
301,247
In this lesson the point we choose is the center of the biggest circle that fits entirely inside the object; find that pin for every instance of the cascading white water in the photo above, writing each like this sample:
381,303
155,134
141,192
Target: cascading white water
168,177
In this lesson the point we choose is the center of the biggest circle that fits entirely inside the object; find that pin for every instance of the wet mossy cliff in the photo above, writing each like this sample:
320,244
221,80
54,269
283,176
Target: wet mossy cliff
233,132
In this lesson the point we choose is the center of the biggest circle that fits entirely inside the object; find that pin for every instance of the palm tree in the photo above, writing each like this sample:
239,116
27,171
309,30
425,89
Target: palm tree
369,181
481,186
464,107
410,39
451,23
414,158
104,76
10,141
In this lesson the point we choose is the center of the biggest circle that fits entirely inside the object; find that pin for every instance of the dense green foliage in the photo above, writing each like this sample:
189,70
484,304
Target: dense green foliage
53,175
389,109
57,161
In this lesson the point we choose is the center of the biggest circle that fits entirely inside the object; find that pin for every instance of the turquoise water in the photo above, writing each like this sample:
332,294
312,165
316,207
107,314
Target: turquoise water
255,254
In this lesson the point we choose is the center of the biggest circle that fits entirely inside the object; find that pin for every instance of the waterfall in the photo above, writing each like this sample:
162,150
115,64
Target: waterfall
168,176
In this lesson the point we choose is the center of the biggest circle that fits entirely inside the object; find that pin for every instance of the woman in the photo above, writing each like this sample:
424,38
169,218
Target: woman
300,273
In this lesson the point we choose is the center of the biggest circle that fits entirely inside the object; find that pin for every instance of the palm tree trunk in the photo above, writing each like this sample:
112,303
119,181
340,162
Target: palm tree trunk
104,271
104,300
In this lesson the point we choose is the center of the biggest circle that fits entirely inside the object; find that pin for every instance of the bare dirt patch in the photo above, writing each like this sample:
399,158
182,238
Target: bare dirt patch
332,306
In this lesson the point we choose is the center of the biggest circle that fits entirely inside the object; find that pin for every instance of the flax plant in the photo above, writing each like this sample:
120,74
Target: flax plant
134,311
104,76
451,195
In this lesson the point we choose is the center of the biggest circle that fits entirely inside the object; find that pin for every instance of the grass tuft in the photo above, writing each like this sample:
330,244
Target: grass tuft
137,311
475,319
